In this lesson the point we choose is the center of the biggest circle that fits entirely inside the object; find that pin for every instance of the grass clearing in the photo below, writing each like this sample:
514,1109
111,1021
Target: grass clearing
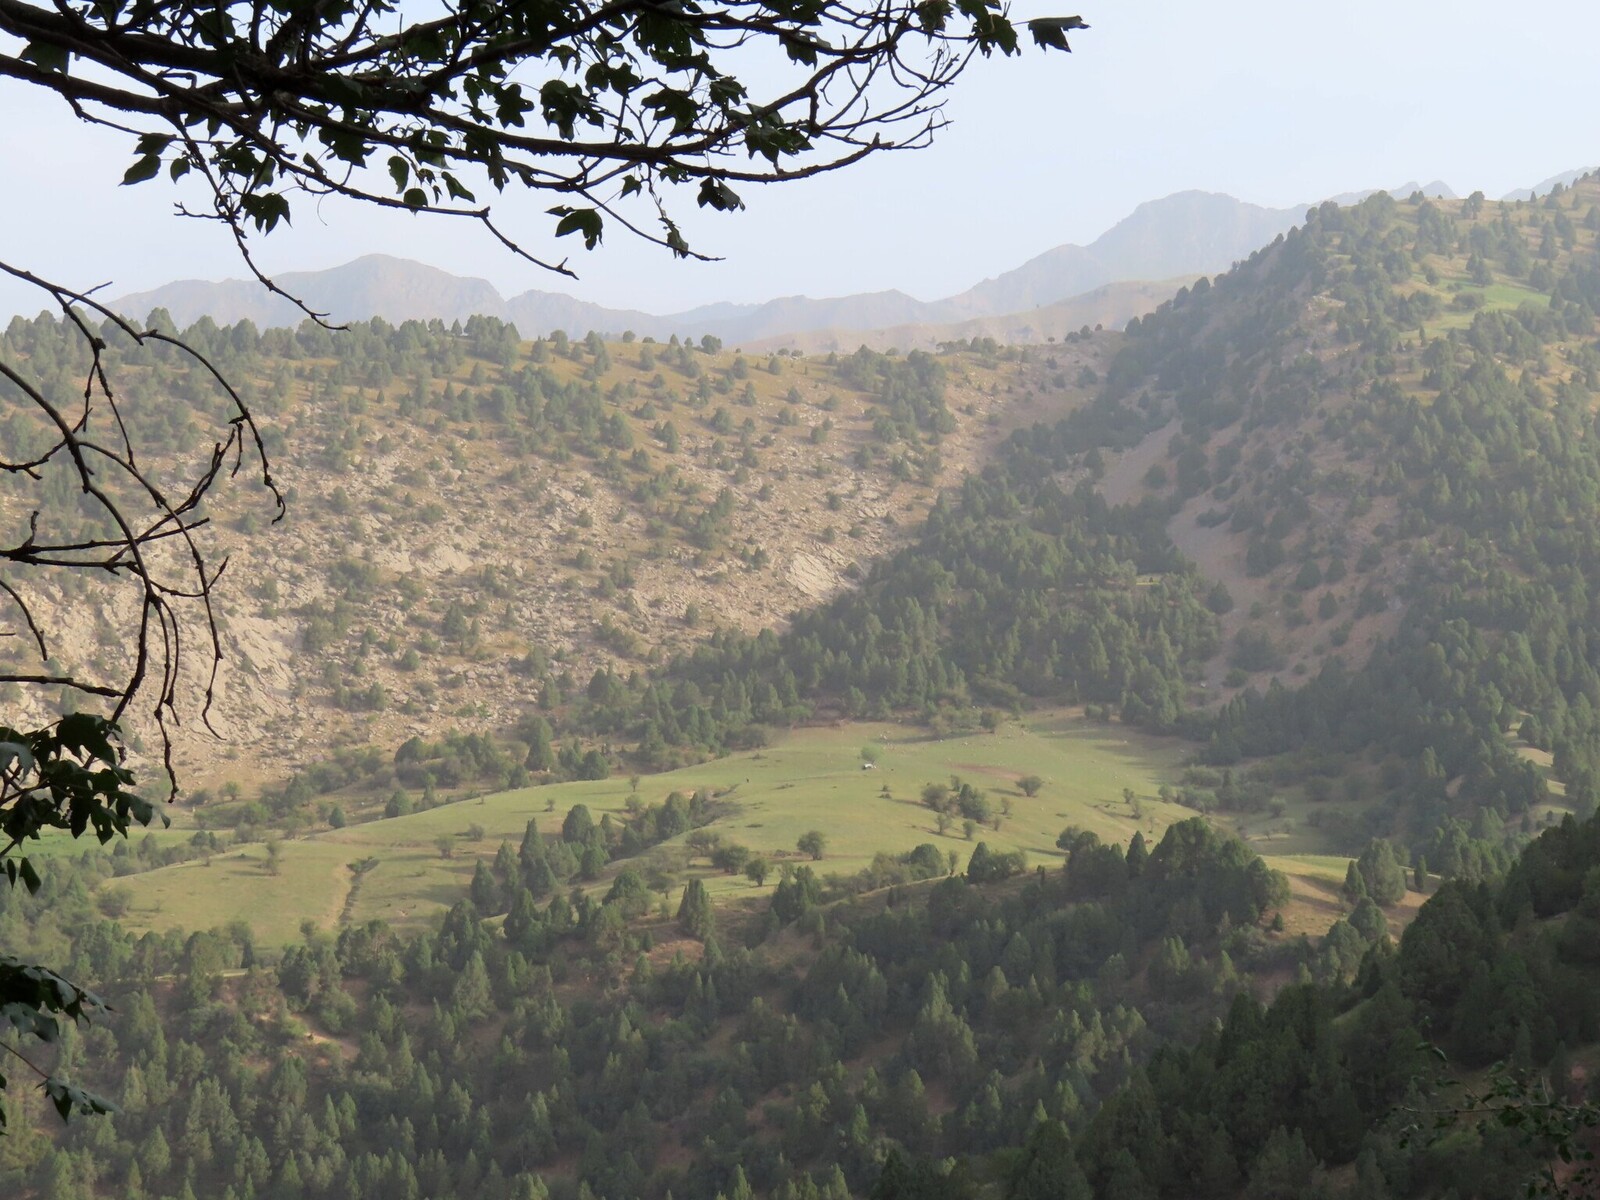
59,844
1294,831
1496,296
310,885
1316,883
810,779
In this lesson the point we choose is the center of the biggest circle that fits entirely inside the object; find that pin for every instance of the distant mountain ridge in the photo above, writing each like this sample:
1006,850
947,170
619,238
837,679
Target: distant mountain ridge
1180,236
1542,188
1111,305
1185,234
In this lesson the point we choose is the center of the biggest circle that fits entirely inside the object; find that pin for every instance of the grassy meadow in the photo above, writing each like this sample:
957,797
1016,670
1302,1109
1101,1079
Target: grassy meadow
810,779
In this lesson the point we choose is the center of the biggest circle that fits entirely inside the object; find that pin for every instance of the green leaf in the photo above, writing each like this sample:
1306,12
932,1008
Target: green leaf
579,220
799,49
81,732
142,169
69,1099
675,105
714,193
1051,32
676,242
399,171
563,104
415,197
991,30
511,105
933,15
347,145
265,209
727,91
47,56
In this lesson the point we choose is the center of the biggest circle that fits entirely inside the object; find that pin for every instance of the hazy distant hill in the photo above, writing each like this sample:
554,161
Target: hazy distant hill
1437,190
1180,236
541,312
1542,188
1190,233
396,289
1111,306
1184,235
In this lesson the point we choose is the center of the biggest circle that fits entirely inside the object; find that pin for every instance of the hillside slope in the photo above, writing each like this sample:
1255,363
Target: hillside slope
477,524
1378,435
1110,306
1334,509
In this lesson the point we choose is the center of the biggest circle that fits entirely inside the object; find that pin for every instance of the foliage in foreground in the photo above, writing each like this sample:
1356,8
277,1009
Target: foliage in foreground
68,775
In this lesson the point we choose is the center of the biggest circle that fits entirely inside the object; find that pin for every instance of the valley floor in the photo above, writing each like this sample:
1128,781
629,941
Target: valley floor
416,866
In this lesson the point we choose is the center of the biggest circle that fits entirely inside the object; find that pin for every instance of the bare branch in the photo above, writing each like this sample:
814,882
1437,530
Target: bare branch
155,636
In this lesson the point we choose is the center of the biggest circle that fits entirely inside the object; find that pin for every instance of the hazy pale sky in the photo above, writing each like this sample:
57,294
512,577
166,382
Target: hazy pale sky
1273,101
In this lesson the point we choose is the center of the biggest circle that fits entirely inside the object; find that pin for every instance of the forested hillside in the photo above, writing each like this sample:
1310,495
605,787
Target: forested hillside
1386,423
453,756
1376,440
1096,1030
1327,517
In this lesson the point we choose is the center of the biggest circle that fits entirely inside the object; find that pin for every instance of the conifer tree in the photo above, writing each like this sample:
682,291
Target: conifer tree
694,912
1047,1169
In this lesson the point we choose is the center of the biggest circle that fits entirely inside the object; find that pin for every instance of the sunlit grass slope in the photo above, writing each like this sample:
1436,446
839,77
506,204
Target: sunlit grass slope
812,779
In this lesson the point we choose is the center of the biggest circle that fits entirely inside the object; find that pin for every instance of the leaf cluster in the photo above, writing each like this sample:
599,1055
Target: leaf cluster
68,775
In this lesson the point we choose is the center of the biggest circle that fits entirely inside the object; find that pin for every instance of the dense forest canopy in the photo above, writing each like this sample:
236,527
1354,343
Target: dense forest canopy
1474,431
1099,1017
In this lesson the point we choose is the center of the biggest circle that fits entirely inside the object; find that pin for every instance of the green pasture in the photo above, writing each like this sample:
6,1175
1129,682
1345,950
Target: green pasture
810,779
1292,833
1496,296
310,884
1329,867
58,843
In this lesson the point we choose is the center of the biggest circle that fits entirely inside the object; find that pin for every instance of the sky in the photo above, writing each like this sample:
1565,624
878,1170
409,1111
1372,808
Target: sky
1275,102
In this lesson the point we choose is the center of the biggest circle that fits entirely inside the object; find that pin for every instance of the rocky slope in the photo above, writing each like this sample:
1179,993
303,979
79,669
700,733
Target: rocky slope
474,521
